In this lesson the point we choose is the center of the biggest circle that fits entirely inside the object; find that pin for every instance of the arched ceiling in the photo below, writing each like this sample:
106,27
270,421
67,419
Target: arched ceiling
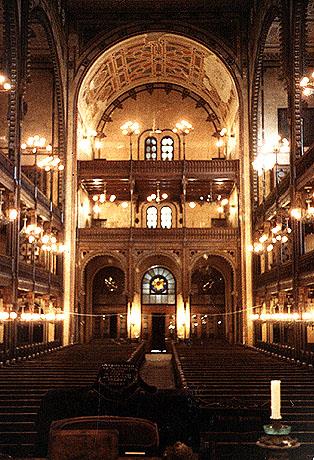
157,57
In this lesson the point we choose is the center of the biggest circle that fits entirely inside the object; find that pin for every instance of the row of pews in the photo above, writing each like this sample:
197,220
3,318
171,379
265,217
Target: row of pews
232,385
23,384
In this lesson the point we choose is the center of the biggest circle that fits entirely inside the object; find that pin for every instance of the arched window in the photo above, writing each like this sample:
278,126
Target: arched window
151,217
166,148
150,148
158,286
166,217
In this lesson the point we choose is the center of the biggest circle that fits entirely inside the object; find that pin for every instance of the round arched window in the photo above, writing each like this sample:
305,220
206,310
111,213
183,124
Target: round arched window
150,148
166,148
158,286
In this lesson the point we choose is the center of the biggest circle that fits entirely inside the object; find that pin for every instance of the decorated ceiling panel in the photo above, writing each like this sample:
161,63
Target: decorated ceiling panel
157,57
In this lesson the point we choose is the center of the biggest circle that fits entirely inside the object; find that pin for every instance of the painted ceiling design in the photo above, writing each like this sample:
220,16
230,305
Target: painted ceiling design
157,57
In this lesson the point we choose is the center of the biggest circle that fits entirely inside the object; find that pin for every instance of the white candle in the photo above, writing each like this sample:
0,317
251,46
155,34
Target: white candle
275,400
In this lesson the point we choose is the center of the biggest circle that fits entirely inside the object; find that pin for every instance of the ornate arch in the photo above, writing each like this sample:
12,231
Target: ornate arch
269,17
104,41
94,254
167,260
48,24
200,255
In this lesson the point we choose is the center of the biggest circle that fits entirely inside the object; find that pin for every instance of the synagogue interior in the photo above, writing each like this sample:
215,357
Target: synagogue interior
157,229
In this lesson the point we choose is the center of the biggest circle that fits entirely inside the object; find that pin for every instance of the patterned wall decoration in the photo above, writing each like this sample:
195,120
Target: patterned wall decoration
157,57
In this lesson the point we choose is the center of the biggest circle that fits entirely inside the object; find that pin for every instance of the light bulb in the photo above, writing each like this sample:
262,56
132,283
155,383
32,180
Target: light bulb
13,214
270,247
296,213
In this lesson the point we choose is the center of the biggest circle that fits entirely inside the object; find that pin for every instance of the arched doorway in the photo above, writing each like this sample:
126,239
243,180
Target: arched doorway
207,302
109,304
212,299
158,306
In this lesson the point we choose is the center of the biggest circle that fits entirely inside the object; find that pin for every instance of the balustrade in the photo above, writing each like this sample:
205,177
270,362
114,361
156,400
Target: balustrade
113,169
144,234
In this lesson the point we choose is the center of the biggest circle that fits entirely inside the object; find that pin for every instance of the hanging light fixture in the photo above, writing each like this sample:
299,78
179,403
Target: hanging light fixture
158,196
49,243
303,209
307,85
267,157
275,231
38,146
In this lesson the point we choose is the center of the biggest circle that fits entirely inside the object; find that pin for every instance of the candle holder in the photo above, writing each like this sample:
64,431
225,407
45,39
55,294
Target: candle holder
277,441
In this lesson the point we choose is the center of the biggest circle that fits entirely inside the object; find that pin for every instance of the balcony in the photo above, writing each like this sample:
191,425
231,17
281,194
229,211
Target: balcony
6,171
104,169
304,165
270,200
5,266
282,272
40,275
165,235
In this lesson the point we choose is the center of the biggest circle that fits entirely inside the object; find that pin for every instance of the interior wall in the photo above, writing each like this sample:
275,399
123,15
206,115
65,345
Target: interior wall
162,111
39,106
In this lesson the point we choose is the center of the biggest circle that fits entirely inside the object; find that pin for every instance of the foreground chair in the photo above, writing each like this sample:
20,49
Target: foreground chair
101,437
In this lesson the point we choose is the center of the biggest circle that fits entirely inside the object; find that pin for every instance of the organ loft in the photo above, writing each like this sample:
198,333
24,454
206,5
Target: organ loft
157,211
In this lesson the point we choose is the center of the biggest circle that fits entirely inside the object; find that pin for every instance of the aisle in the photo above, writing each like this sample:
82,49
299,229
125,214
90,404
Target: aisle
157,370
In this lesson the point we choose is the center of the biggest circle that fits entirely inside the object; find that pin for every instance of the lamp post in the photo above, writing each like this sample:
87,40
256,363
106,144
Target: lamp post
128,129
184,128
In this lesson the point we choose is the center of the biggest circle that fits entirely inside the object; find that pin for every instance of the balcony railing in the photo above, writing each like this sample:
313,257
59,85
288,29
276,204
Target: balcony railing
284,272
305,162
6,165
145,234
5,265
114,169
282,188
306,262
41,275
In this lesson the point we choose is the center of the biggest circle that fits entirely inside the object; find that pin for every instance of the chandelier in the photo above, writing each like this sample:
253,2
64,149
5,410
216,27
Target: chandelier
102,198
5,84
31,232
183,127
38,146
36,235
10,215
274,232
307,85
49,243
158,196
304,206
267,157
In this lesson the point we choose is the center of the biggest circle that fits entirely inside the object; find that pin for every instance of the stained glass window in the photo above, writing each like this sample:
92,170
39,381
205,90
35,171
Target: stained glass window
158,286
